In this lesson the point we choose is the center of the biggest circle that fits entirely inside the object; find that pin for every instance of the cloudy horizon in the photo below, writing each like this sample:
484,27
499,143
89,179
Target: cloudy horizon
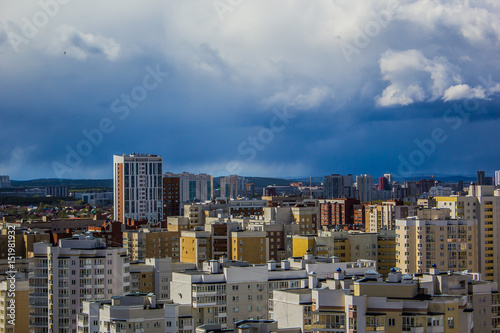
257,88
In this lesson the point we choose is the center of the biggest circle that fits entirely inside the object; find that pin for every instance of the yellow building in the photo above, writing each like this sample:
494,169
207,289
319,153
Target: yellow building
303,244
250,246
350,246
386,251
482,204
152,243
21,308
196,247
449,244
383,216
306,218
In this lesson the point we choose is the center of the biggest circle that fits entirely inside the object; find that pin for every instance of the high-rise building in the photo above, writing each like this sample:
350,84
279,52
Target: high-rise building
138,187
444,244
364,185
338,212
230,186
382,216
193,187
383,184
481,178
338,186
482,204
61,277
4,182
389,178
172,203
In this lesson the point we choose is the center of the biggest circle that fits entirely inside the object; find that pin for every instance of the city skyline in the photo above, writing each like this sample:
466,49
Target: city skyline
285,89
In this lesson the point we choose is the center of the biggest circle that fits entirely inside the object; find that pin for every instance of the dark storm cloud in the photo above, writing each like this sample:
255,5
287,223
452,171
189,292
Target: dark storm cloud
361,84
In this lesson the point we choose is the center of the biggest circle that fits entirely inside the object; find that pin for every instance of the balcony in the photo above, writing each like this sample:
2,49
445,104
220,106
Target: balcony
414,330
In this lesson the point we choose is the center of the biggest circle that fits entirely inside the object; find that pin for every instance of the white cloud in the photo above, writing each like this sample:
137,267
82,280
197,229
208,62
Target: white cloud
300,99
463,91
79,45
414,78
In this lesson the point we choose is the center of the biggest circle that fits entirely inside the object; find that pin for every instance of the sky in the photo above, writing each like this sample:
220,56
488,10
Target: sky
257,88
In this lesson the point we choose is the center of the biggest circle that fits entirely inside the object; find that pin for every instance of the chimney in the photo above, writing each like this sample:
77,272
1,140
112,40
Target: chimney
313,280
338,275
285,265
434,270
394,276
271,265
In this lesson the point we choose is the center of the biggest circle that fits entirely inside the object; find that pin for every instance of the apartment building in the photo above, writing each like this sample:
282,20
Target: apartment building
306,218
230,187
370,305
23,241
182,188
250,246
226,292
350,246
383,216
61,277
338,186
220,230
483,296
193,187
128,314
448,244
196,246
338,212
275,233
14,304
152,243
138,187
483,204
172,203
153,275
304,244
364,187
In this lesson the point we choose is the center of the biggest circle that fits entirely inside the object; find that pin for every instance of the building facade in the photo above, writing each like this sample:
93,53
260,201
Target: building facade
338,186
138,187
230,186
128,314
61,277
446,244
482,204
364,186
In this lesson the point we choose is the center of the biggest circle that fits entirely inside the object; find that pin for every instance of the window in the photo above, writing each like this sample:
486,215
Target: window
235,287
391,322
236,309
451,322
